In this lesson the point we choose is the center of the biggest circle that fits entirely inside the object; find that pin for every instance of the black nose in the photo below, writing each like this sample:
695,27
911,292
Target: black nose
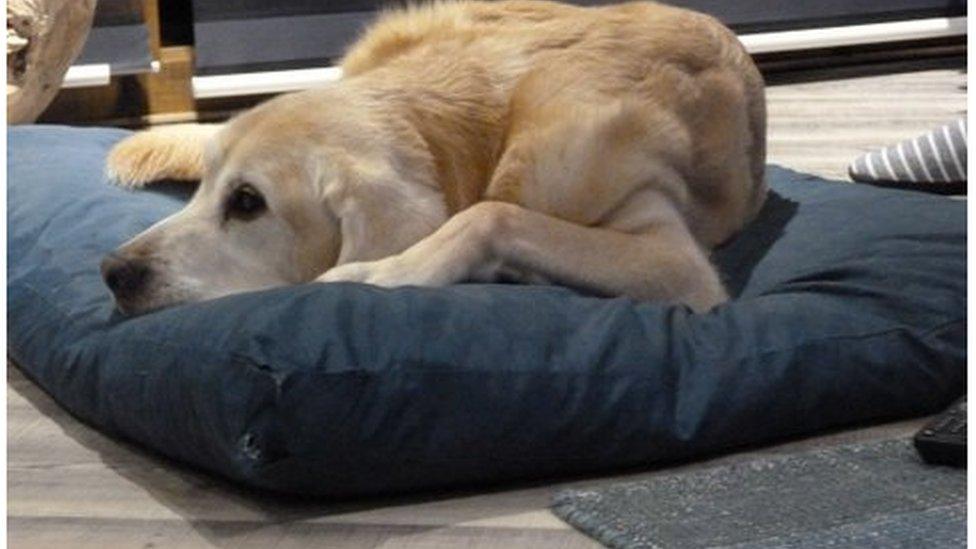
126,277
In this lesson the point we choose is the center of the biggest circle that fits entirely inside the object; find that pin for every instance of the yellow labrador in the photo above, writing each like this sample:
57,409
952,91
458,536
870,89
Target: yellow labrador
605,149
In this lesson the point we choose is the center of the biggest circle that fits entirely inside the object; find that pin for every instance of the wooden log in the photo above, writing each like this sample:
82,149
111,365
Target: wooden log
43,38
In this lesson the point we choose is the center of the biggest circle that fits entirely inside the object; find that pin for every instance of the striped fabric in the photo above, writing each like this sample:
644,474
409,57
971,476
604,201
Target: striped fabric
937,157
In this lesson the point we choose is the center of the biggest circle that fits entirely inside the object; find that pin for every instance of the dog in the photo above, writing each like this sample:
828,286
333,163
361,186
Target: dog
606,149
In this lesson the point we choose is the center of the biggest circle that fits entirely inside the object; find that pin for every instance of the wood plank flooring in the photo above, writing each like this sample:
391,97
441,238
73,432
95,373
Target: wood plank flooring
821,127
70,486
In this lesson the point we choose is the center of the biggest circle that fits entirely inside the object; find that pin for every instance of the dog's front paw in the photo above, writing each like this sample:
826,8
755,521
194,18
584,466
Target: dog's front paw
378,273
389,273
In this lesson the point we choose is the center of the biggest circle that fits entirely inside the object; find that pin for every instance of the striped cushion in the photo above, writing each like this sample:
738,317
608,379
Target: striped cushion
938,156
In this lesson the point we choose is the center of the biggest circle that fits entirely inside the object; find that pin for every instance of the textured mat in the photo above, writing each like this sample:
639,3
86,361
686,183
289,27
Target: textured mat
876,494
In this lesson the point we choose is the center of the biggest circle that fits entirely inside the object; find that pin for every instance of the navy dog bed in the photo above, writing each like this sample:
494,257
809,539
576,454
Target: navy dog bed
850,307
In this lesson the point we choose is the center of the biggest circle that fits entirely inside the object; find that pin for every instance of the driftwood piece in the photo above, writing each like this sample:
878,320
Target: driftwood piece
43,38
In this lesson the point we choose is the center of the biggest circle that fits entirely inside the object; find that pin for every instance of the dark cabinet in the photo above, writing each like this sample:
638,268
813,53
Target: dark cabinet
248,35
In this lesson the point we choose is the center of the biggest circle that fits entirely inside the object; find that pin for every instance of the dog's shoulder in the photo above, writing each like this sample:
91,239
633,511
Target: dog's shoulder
401,30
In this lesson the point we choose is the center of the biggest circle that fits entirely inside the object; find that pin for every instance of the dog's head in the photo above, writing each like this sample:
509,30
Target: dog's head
287,191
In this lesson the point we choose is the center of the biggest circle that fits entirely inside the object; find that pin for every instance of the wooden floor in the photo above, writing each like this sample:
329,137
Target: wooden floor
821,127
69,486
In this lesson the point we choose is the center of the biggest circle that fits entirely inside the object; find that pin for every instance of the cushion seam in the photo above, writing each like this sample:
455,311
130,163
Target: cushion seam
926,332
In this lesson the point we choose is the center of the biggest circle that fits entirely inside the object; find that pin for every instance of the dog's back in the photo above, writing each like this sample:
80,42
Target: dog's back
600,148
478,65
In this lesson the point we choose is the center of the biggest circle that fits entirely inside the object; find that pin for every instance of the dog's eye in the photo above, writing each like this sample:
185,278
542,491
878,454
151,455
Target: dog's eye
245,203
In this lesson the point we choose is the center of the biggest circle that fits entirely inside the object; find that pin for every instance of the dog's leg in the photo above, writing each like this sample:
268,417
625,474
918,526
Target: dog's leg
166,152
662,262
584,199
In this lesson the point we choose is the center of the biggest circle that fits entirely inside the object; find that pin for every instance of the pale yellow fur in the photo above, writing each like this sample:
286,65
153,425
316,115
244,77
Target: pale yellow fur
604,148
166,152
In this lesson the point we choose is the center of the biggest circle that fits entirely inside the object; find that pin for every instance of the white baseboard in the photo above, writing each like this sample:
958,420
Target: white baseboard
256,83
854,35
87,76
95,74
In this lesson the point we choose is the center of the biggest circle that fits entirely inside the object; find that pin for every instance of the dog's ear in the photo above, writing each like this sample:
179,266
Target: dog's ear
382,218
166,152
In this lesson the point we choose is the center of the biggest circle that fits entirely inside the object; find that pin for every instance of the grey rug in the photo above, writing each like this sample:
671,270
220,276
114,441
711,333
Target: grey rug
875,494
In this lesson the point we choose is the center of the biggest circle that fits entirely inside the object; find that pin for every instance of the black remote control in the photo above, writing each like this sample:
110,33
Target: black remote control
943,440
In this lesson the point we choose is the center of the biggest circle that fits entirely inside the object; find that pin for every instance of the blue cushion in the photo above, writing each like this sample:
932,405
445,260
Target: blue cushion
850,307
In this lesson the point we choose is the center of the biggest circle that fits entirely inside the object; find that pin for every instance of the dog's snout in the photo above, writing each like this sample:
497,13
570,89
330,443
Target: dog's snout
126,277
